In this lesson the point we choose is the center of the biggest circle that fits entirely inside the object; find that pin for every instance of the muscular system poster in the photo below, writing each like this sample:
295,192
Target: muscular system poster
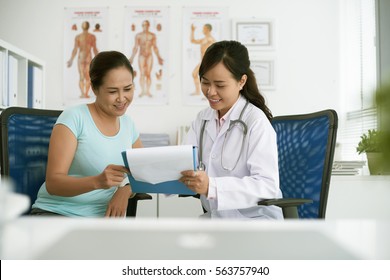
146,43
202,26
85,34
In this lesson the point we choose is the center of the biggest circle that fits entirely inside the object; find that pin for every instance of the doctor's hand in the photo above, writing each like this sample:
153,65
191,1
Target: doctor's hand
197,181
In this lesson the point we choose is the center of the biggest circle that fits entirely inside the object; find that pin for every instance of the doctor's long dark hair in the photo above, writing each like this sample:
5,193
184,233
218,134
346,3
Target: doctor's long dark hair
235,57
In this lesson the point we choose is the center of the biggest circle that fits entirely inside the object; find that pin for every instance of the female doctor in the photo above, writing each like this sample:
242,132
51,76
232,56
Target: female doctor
238,159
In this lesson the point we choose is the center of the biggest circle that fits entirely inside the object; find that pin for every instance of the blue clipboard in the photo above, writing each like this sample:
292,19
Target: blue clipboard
169,187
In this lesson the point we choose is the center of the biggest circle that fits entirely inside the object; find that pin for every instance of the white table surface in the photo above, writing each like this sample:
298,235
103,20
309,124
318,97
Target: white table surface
115,239
359,197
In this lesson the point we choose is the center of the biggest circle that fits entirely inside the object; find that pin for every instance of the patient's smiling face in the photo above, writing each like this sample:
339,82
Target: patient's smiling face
116,93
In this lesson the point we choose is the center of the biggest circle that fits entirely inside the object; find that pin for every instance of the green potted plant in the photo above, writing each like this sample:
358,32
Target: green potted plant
370,143
383,104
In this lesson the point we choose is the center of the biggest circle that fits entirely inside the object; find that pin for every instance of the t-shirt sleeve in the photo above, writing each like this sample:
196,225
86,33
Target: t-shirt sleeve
132,128
71,118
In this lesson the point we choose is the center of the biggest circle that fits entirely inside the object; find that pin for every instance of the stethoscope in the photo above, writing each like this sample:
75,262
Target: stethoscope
232,124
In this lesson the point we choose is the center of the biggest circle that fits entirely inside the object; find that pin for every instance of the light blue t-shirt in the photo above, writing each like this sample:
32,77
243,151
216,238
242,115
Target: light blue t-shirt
94,152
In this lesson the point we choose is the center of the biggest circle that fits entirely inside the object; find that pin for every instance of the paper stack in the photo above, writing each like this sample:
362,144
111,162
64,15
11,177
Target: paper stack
347,167
154,139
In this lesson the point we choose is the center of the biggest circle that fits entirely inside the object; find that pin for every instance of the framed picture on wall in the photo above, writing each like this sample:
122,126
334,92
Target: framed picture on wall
254,33
264,70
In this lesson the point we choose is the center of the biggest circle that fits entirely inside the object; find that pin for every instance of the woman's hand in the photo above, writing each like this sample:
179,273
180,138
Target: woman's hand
118,204
197,181
111,176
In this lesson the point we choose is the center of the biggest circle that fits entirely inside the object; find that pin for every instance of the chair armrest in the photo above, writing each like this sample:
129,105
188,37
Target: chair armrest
284,202
133,201
289,205
141,196
188,195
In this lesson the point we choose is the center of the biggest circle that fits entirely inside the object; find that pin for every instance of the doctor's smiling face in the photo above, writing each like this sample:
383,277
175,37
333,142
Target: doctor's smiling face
221,88
223,74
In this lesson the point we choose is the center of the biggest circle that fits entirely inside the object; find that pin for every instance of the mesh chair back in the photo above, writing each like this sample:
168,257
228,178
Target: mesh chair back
25,135
306,146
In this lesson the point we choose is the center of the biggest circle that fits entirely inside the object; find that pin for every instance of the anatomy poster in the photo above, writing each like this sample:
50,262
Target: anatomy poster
85,34
146,39
202,26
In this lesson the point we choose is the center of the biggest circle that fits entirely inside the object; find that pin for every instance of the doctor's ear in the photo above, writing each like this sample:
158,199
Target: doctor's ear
243,81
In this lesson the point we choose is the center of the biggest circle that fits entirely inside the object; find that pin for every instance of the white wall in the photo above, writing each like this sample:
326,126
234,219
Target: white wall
306,51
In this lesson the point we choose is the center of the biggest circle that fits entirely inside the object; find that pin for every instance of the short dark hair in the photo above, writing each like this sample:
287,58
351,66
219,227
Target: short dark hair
104,62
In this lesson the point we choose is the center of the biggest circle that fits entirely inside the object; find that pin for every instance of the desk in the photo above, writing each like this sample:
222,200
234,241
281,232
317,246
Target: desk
350,197
196,239
359,197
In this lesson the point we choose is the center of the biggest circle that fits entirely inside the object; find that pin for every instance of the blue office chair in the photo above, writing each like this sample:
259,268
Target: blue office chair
25,135
306,145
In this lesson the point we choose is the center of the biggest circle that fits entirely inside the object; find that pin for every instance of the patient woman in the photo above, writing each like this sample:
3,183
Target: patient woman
85,169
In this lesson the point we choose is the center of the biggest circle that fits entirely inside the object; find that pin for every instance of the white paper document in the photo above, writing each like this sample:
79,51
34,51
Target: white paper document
161,164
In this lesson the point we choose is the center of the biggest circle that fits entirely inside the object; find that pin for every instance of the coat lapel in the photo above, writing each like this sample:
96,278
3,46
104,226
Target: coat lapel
211,126
234,115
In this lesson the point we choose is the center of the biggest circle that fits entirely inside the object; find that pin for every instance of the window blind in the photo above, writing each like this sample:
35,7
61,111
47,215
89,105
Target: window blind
359,77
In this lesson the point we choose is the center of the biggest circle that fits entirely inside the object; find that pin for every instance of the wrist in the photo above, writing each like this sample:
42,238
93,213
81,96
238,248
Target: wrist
126,190
124,182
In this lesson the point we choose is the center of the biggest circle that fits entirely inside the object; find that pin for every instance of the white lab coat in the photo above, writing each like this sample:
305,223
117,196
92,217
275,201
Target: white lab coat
255,176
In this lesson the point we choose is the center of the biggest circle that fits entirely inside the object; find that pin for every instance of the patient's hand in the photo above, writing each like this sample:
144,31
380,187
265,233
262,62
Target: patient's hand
118,204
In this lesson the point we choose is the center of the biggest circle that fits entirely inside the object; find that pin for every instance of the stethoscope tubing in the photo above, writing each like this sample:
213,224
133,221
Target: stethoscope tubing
201,165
